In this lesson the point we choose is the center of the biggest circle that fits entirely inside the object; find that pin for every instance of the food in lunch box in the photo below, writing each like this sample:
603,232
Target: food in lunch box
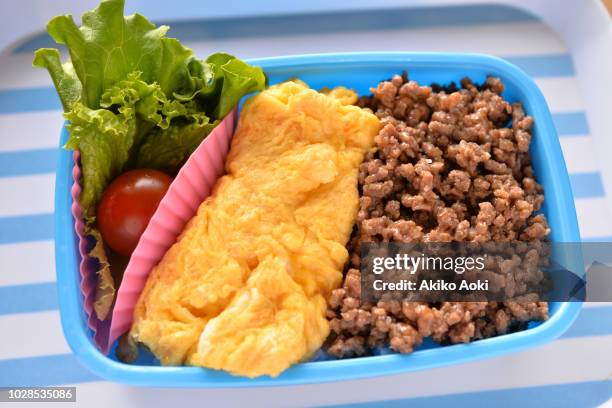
450,165
267,271
244,288
134,99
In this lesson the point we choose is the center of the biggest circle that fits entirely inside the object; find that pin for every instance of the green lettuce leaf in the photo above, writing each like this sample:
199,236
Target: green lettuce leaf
166,149
236,79
106,288
104,139
108,47
63,76
135,98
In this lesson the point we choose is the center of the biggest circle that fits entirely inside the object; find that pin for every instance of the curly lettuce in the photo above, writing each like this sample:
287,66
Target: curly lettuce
135,98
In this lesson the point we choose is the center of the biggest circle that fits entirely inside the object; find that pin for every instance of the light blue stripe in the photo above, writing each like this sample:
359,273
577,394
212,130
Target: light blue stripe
597,239
571,123
43,296
43,371
29,298
545,65
37,297
45,98
591,322
29,100
584,394
330,22
587,185
27,162
26,228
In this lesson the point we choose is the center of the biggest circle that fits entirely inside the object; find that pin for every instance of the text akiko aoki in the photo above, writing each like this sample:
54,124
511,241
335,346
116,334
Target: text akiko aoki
431,284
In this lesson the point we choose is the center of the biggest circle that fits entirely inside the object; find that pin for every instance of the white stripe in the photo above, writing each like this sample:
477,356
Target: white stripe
562,93
25,263
607,404
596,304
32,334
27,195
584,359
578,154
495,39
498,39
18,72
31,130
594,217
38,12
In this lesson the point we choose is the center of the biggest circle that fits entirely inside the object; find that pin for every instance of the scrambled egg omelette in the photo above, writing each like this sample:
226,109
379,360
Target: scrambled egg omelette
244,288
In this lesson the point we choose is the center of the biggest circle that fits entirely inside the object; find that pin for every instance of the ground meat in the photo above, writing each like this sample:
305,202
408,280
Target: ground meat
452,164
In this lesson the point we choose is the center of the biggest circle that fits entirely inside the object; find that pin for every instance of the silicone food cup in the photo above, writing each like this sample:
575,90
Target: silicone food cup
193,183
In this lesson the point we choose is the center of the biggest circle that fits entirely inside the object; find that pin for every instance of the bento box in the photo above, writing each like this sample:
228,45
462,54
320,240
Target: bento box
359,71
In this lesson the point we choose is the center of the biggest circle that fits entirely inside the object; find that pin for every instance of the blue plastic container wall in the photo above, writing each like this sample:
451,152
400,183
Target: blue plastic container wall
359,71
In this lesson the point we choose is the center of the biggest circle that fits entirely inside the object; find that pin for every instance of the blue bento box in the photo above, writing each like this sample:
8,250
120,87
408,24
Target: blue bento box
359,71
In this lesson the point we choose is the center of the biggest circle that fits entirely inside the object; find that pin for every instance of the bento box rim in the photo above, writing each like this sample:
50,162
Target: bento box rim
76,332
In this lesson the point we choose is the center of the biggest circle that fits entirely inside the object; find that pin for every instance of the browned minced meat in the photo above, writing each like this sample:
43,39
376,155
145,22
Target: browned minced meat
451,165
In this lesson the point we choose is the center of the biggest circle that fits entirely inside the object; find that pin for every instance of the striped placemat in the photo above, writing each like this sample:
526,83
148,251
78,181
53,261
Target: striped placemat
568,372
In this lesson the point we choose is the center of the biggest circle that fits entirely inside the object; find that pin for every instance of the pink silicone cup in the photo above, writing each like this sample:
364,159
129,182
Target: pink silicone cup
87,266
191,186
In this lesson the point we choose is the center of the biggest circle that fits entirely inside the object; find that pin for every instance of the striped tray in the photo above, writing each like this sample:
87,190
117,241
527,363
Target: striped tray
570,371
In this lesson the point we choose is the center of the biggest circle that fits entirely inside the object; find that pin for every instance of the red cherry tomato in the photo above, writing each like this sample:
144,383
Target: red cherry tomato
127,205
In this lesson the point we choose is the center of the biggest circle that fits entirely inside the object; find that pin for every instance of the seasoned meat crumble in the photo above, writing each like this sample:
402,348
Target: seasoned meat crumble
451,164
